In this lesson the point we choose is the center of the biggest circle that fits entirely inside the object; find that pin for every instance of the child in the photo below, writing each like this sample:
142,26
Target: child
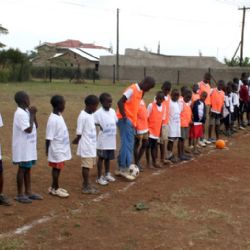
236,104
186,118
217,102
243,101
141,134
199,118
228,110
166,88
57,144
174,131
24,152
155,118
195,94
3,199
105,118
86,140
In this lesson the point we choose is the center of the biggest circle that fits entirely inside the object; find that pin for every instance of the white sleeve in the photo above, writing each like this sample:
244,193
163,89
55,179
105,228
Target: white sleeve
23,121
1,121
115,116
50,130
149,109
96,117
128,93
80,124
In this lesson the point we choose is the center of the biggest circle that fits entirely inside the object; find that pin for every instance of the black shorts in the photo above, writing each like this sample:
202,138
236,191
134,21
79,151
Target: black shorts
235,114
243,107
1,166
152,142
106,154
248,107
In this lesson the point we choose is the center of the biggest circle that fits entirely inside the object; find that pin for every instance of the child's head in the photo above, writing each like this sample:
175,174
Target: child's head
58,103
207,78
91,102
175,95
228,89
220,85
187,95
245,81
22,99
159,97
236,80
243,75
195,88
147,83
105,100
183,90
166,87
235,87
203,96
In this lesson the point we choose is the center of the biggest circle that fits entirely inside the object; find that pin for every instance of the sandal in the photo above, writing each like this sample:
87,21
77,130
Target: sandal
23,199
35,197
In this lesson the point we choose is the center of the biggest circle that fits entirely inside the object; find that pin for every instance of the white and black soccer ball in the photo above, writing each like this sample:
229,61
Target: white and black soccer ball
134,170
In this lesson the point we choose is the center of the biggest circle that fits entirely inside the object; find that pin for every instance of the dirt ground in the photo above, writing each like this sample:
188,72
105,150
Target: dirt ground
201,204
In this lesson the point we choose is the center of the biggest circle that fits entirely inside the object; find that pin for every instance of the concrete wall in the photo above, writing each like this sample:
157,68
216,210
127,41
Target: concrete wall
186,75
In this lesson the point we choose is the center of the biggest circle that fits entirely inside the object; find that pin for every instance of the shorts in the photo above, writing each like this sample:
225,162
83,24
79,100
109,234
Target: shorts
88,162
243,107
106,154
25,164
214,118
227,120
57,165
172,139
248,107
164,134
196,131
184,133
235,114
143,136
152,142
1,166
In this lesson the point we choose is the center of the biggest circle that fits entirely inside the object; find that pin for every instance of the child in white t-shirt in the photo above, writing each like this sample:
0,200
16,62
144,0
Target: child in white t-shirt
3,199
106,119
86,140
57,144
24,152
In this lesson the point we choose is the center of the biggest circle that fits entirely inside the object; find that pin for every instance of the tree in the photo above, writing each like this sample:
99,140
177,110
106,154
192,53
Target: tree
3,31
234,62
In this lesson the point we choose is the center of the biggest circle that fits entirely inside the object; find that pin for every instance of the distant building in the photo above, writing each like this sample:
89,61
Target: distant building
70,53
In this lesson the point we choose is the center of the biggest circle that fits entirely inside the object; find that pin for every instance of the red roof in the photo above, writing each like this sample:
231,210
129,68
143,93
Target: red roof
76,44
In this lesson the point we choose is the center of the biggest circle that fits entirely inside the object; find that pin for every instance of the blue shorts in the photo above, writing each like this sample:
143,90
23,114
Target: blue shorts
25,164
1,166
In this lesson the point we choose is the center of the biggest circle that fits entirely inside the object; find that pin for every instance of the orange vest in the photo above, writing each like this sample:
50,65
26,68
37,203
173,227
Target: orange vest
131,106
205,87
195,97
166,110
155,121
186,115
142,117
217,100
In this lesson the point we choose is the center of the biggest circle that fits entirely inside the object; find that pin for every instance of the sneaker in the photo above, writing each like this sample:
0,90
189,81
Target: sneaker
23,199
140,167
35,197
90,190
241,128
202,144
212,140
4,200
109,178
118,172
206,141
63,190
102,181
58,192
185,158
127,175
171,159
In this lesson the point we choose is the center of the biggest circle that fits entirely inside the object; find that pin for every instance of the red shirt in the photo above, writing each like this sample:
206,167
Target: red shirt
244,93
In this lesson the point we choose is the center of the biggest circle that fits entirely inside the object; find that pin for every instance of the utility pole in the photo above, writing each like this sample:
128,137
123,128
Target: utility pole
117,45
242,33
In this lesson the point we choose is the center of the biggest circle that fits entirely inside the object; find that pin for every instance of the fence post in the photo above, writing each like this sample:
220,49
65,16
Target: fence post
113,73
178,77
144,72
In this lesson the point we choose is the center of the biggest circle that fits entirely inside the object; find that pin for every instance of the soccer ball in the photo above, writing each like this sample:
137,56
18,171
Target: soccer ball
220,144
133,170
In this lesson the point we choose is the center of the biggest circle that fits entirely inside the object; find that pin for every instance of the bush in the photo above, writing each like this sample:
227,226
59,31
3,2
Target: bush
4,75
91,74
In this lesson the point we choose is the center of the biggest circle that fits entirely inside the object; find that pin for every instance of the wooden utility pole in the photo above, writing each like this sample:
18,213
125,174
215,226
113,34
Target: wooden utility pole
242,33
117,45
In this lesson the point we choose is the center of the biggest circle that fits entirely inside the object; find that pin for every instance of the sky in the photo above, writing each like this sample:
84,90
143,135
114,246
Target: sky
209,27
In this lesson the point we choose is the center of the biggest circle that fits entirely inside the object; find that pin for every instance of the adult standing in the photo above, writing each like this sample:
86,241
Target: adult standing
127,118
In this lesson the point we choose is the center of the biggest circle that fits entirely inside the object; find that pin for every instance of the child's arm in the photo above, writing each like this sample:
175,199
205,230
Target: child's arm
32,111
77,139
47,143
120,104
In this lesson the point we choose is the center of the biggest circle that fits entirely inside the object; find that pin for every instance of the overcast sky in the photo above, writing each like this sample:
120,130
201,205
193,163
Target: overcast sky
183,27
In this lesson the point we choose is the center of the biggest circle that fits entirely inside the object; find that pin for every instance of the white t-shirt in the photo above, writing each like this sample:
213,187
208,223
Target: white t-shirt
174,125
86,128
23,144
228,105
106,139
57,133
1,125
236,99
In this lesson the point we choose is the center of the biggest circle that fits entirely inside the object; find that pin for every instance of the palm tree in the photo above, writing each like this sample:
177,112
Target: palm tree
3,31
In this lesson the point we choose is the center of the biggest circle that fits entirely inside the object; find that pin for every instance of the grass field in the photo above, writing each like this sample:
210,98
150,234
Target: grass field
203,204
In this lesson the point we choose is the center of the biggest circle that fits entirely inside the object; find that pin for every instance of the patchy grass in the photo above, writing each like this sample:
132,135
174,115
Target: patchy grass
11,244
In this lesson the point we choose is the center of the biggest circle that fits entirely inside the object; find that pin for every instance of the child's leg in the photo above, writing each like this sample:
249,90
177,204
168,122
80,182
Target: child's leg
153,149
170,148
19,180
1,177
181,147
136,146
85,176
143,147
99,167
27,181
162,150
107,166
217,128
55,177
210,129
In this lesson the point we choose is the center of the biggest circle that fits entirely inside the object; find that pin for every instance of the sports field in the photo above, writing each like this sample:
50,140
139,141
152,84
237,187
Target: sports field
202,204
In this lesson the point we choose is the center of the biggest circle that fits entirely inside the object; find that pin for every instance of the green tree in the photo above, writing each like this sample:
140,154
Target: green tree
3,31
236,61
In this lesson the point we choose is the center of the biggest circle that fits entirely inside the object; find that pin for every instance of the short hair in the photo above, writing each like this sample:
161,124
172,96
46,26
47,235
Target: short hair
160,94
204,93
91,100
187,92
236,80
20,96
166,86
175,91
149,80
56,100
183,90
103,97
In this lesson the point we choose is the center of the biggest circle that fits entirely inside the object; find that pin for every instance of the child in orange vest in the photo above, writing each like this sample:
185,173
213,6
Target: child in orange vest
186,118
217,102
141,134
195,94
166,88
155,118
